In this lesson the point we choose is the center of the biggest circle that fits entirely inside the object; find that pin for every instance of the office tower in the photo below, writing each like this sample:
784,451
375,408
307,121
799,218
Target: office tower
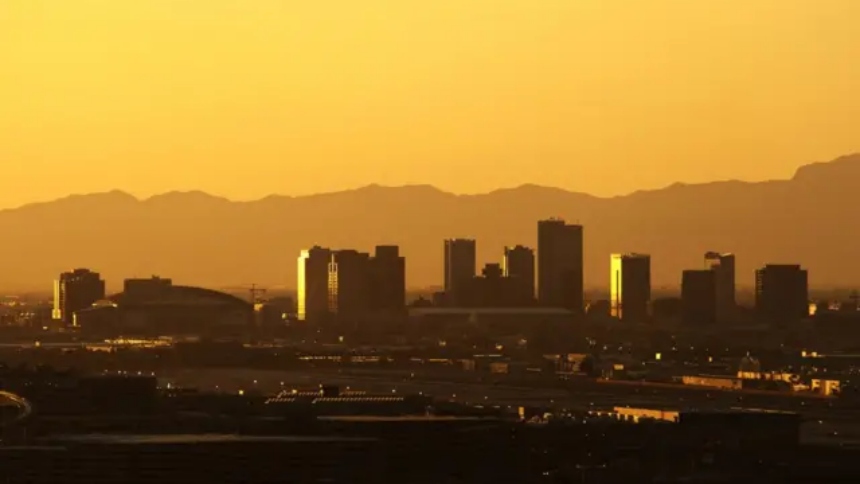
74,291
560,265
781,293
348,288
312,290
519,264
460,267
723,266
387,279
630,291
699,297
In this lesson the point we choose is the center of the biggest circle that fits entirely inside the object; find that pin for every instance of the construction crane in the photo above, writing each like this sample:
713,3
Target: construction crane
255,292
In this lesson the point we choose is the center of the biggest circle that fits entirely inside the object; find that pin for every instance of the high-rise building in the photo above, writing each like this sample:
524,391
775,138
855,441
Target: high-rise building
519,264
782,293
460,267
348,284
699,297
312,293
630,287
387,279
74,291
560,265
723,266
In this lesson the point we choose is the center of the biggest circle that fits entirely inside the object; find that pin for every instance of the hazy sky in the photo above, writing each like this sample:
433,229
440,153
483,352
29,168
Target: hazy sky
244,98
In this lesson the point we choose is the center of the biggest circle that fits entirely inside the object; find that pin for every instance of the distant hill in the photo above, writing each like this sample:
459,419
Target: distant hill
200,239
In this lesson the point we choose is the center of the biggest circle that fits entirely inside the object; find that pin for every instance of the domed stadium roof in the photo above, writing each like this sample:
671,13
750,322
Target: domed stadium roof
171,294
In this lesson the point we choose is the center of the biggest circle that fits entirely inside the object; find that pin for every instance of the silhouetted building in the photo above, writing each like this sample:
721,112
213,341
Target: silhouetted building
150,289
493,289
74,291
460,267
274,312
348,288
630,291
782,293
699,297
387,280
519,263
666,308
312,290
560,265
156,307
723,266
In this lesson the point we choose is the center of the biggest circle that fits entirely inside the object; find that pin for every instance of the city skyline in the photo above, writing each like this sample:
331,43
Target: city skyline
766,222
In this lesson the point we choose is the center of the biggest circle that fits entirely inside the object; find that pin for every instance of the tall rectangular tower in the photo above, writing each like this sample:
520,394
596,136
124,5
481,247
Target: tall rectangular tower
74,291
519,264
560,265
698,297
723,267
630,287
782,293
348,284
460,267
312,289
387,279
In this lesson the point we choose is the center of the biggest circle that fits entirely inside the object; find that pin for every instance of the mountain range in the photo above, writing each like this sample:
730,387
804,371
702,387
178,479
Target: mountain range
201,239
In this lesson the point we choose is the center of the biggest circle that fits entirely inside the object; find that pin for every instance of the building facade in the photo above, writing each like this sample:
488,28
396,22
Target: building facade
560,265
782,293
519,263
460,267
74,291
723,267
348,284
699,297
312,288
630,287
387,280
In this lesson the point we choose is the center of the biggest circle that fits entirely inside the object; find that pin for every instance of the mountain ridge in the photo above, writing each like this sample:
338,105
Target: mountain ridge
204,239
800,171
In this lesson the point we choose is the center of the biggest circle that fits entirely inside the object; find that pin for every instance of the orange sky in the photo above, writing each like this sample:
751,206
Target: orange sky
244,98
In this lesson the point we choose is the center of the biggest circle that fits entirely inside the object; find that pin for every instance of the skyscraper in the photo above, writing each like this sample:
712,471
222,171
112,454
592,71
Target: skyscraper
312,293
723,266
460,268
698,297
630,287
782,293
74,291
560,265
387,279
519,264
348,285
